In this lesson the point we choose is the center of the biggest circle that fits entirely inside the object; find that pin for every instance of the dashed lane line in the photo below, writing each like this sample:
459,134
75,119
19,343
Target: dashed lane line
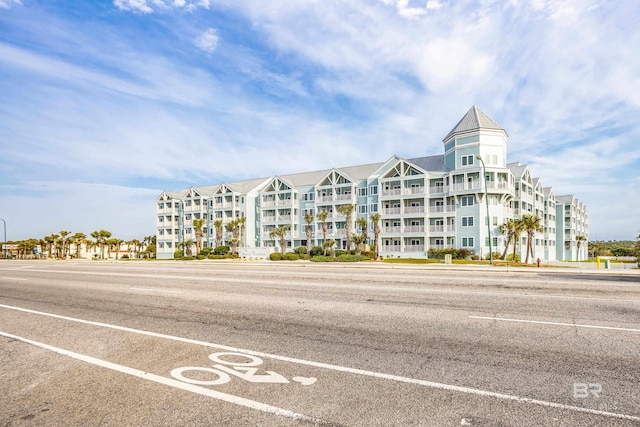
430,384
542,322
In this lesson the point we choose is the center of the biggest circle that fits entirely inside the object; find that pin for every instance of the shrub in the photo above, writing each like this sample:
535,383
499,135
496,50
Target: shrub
221,250
352,258
125,256
301,250
214,256
291,256
200,256
206,251
187,258
275,256
510,257
495,255
316,251
370,254
339,252
178,254
322,258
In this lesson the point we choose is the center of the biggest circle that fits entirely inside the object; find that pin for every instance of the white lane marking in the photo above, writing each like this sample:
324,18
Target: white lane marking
13,278
541,322
227,280
441,386
156,290
229,398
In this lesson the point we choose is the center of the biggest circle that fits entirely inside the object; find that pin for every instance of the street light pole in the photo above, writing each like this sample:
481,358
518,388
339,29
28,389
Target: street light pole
486,199
4,244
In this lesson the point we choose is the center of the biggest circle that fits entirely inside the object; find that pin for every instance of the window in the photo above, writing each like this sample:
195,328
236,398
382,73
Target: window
467,242
160,218
467,221
187,217
467,160
362,192
373,208
494,241
362,209
467,200
161,232
373,190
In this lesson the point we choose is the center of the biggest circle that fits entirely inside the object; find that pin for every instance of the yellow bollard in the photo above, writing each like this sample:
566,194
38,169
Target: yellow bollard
598,262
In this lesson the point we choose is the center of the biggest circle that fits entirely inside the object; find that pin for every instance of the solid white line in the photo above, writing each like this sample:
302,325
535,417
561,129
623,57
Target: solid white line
541,322
13,278
156,290
229,398
441,386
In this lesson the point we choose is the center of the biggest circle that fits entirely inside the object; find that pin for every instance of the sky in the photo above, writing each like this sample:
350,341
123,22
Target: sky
105,104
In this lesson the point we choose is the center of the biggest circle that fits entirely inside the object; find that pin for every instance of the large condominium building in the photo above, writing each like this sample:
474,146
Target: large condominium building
454,200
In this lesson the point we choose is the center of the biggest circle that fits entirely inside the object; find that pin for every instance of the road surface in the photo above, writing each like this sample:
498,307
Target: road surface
288,344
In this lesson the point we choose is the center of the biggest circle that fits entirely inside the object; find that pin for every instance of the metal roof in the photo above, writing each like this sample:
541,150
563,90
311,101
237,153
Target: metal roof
475,119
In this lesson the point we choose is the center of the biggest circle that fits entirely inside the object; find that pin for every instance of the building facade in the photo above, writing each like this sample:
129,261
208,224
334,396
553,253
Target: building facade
455,200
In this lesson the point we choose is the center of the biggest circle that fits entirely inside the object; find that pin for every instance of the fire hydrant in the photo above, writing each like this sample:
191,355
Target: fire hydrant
538,261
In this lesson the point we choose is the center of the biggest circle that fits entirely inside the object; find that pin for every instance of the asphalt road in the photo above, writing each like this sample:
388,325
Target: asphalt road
287,344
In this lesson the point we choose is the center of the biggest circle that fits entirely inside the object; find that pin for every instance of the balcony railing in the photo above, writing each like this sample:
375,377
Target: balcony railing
414,229
442,208
392,192
414,248
396,229
391,211
414,209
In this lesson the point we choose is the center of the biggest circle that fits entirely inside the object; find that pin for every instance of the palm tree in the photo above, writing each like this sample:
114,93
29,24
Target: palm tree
375,219
51,243
308,229
358,240
187,246
363,224
64,240
281,233
531,225
217,224
78,239
507,228
322,217
117,243
518,228
347,211
101,239
579,241
197,226
241,222
331,245
234,226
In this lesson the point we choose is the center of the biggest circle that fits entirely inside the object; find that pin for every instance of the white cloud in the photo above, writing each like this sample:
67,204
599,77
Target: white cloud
434,5
208,40
6,4
133,5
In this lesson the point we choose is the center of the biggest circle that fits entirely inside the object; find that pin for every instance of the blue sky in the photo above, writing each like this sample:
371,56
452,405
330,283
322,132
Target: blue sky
104,104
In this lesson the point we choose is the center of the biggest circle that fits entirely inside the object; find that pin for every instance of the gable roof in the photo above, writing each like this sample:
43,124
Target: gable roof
475,119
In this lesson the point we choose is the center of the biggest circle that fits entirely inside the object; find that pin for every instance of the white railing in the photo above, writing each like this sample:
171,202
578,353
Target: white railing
284,202
344,197
392,192
414,248
268,203
442,208
325,198
391,229
414,229
414,209
391,211
284,217
415,190
268,219
439,189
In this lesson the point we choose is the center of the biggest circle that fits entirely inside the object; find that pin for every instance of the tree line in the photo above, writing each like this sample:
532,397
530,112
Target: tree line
67,244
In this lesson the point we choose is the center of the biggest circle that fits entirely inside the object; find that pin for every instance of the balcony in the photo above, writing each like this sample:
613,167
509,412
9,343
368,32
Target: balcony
414,248
395,229
449,228
414,209
442,208
391,192
391,211
268,203
414,229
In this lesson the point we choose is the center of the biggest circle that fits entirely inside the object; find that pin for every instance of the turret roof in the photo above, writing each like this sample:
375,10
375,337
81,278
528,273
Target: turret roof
475,119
